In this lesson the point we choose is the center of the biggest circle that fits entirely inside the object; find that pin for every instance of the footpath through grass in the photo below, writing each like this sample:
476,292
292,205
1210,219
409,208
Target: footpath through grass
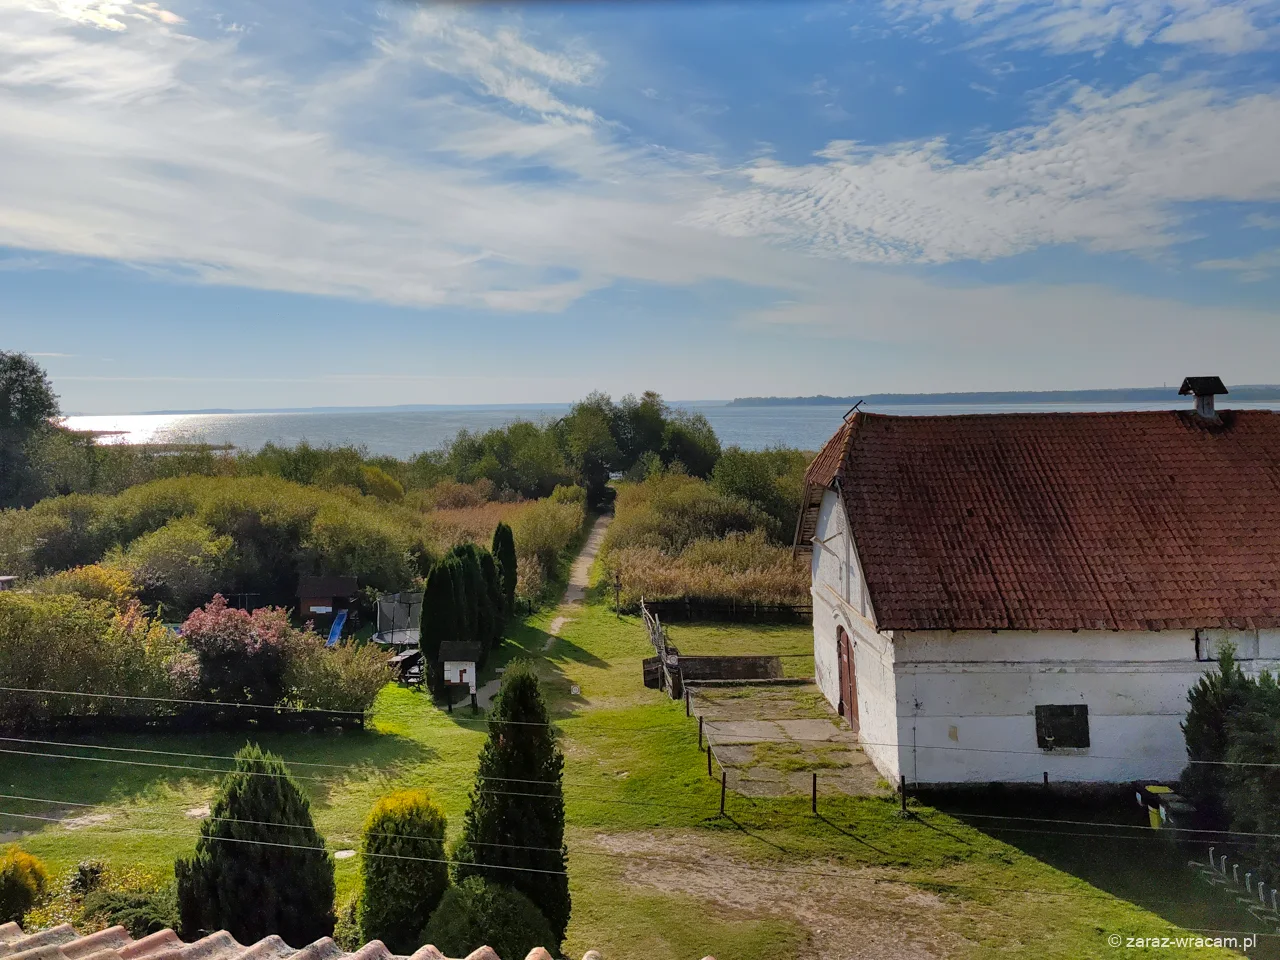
656,872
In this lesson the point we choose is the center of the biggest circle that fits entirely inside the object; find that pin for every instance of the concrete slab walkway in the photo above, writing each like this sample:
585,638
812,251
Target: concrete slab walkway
771,740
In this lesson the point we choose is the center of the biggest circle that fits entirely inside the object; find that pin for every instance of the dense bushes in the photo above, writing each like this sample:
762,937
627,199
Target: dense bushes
546,529
23,880
346,676
516,838
1233,774
241,654
185,539
676,536
259,867
141,912
64,642
479,913
403,871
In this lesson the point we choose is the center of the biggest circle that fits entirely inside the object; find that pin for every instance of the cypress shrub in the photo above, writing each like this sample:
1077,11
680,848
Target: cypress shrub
439,614
493,591
241,878
1213,701
477,913
399,893
504,553
502,831
475,596
23,880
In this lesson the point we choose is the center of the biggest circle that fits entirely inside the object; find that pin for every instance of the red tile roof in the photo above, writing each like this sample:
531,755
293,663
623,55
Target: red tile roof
63,943
1124,521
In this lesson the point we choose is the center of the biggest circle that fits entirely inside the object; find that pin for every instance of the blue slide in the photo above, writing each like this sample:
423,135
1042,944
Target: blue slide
335,632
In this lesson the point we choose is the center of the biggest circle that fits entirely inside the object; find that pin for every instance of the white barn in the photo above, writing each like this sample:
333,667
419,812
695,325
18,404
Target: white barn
1001,597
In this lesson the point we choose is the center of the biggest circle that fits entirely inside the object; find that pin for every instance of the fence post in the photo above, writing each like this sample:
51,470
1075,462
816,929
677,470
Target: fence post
708,758
813,803
699,733
902,792
724,779
688,709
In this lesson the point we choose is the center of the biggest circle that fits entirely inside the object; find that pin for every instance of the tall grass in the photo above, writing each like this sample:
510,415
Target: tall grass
677,537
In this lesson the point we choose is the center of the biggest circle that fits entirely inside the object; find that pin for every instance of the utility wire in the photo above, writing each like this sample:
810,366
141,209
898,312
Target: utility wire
173,766
673,862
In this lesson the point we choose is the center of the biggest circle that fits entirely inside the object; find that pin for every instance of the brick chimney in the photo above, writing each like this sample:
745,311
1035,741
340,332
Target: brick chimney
1204,389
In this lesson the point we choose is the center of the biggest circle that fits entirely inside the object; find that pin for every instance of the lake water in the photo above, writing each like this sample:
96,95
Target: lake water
405,433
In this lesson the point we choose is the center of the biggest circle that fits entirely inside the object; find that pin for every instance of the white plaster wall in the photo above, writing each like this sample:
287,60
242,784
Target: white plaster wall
966,702
840,600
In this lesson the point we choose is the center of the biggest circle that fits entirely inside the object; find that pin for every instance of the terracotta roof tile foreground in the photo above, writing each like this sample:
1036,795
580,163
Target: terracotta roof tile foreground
114,943
1058,521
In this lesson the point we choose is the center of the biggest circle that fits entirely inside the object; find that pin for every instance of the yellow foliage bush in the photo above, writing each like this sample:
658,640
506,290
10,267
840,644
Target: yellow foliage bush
23,880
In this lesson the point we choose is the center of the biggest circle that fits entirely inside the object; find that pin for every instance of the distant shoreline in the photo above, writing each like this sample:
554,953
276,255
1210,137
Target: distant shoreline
1246,393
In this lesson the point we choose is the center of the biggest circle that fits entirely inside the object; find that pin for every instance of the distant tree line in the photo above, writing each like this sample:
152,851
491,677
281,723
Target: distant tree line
598,436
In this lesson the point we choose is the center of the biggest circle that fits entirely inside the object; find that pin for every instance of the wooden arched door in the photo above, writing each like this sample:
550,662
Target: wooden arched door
848,678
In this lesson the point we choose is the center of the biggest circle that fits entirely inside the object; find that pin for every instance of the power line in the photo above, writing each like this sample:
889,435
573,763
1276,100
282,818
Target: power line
743,740
174,766
181,702
670,861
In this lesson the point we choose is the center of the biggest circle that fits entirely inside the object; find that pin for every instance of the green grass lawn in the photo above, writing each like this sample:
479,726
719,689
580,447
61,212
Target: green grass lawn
656,871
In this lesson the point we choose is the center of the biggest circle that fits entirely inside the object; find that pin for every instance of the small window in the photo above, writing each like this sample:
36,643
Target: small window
1064,725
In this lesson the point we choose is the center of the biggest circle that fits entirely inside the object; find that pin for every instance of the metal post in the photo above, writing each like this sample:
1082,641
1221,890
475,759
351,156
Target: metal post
902,792
813,800
708,758
688,707
699,733
1046,778
724,779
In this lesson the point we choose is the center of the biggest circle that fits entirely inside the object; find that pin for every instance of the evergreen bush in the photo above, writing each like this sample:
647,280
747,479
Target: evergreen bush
23,881
493,592
478,913
504,553
440,614
402,869
503,833
259,866
141,912
1213,700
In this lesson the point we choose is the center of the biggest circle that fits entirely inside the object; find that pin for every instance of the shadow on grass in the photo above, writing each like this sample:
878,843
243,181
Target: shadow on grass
1144,867
78,770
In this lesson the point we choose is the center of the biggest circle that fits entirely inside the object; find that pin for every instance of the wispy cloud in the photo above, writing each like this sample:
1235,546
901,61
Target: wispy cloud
1107,170
1259,266
1262,221
1069,26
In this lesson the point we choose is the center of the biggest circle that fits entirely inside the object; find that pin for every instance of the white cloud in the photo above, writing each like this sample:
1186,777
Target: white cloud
1259,266
1066,26
1262,221
452,165
1106,171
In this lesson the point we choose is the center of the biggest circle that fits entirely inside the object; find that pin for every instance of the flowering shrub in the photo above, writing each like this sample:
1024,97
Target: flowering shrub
241,654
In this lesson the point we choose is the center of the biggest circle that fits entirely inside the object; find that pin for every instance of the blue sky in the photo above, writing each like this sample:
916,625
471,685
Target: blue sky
338,202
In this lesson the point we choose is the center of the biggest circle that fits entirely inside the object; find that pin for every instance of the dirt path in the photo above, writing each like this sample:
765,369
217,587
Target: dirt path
575,595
